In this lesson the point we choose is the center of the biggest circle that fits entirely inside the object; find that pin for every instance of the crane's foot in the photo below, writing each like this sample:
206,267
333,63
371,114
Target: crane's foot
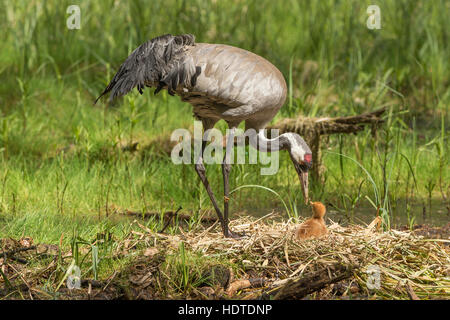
234,235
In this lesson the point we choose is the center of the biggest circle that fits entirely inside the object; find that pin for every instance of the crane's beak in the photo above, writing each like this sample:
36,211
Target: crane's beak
303,176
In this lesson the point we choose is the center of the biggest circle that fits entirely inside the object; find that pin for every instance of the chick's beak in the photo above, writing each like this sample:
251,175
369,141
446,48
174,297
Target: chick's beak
303,176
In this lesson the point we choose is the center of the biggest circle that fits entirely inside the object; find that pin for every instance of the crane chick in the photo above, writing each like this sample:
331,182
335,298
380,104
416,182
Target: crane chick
315,226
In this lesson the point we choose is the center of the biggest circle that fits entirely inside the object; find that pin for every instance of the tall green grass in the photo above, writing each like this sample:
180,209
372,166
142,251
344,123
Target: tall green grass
412,43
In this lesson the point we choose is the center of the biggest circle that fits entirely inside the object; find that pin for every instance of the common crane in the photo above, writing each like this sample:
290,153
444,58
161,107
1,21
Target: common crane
220,82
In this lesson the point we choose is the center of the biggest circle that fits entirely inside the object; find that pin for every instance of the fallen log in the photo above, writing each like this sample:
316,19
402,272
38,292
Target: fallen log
311,129
325,125
299,287
168,216
14,251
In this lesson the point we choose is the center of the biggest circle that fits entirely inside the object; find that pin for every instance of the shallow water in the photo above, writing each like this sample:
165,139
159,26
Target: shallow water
434,215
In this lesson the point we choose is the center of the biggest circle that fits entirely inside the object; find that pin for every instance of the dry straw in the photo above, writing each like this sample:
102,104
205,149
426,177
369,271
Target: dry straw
409,264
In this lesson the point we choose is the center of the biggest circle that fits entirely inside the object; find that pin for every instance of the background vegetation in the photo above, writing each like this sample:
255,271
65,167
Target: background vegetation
61,164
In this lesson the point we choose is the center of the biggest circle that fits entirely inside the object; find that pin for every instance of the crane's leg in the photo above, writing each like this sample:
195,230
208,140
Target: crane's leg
226,168
201,171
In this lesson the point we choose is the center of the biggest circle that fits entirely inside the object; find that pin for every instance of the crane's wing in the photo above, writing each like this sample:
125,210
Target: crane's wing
160,62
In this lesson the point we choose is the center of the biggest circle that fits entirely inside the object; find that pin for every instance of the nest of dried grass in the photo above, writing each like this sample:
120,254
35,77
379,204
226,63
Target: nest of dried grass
267,263
410,266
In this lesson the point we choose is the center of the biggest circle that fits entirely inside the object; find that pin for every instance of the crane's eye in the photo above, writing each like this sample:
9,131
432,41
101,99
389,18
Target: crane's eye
306,164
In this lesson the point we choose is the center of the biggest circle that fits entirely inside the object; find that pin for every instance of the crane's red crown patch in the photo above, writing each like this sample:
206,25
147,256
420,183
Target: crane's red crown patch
308,158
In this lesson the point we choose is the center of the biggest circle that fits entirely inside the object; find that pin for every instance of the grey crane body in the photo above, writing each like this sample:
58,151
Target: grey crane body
220,82
234,85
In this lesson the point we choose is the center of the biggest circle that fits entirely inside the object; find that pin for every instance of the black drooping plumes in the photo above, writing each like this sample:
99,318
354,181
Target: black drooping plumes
159,62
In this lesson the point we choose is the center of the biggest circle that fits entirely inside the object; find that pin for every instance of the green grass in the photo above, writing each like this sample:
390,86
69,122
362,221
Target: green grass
60,167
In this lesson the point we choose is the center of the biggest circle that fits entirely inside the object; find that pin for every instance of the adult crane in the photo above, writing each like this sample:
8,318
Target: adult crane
220,82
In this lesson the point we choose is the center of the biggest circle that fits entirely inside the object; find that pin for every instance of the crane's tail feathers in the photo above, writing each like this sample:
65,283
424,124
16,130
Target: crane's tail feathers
159,62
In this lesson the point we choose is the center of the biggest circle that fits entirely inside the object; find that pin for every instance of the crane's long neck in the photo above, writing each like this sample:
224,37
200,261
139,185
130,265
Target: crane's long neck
298,149
290,141
259,141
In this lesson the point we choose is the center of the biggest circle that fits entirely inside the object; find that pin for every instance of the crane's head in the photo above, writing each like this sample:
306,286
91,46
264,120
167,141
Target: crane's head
301,157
